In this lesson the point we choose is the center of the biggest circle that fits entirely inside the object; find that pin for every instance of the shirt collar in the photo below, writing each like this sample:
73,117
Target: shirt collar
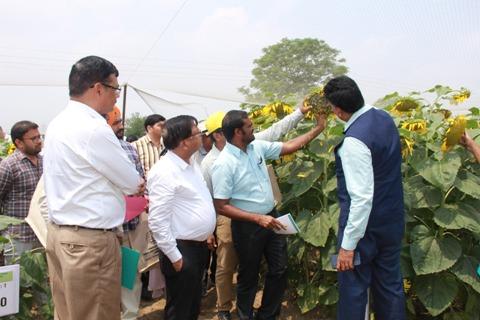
86,108
355,115
236,150
177,160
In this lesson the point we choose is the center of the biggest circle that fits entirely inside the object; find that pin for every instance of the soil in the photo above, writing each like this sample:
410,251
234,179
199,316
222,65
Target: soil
153,310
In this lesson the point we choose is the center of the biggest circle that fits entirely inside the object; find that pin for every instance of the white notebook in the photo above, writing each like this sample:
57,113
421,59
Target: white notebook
289,223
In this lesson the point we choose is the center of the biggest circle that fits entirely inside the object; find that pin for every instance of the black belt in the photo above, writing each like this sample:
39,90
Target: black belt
192,243
86,228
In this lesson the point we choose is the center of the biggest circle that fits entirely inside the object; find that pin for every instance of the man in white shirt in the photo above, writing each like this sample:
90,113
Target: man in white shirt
86,174
181,217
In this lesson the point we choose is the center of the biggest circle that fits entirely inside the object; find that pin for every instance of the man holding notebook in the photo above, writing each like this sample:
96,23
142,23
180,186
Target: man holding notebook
242,192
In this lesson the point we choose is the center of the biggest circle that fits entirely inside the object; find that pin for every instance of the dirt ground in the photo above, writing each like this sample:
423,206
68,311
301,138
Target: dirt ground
154,310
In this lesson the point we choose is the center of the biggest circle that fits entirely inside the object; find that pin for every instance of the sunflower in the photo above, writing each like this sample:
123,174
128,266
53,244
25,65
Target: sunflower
454,132
446,113
415,125
406,285
276,109
288,158
404,105
407,147
460,97
11,148
318,103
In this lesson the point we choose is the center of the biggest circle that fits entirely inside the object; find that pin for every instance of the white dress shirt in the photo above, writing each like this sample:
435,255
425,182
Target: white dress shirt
358,169
181,206
86,171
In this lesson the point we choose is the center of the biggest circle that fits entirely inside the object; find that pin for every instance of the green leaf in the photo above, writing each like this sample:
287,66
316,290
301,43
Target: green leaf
406,262
441,173
461,216
466,270
327,251
317,230
330,297
309,299
468,183
431,255
5,221
436,292
304,177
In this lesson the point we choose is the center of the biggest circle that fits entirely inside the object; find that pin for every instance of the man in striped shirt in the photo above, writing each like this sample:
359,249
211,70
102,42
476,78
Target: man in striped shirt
150,145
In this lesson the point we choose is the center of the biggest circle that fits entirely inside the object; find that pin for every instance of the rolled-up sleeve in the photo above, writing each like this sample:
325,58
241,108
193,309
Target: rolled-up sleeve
358,169
107,157
162,195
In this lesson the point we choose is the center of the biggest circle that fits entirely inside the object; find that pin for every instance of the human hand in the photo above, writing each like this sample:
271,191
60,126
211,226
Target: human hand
211,242
321,119
269,222
303,108
466,141
177,265
345,260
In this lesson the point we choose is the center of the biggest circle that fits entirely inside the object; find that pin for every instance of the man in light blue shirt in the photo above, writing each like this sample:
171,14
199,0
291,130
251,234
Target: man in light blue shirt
242,192
370,193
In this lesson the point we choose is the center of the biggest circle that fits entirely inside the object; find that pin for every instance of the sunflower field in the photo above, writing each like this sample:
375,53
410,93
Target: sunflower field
441,247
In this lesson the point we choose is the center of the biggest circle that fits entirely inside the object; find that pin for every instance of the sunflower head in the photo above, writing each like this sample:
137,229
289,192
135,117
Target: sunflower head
460,96
454,132
404,105
407,147
415,125
11,148
277,109
318,103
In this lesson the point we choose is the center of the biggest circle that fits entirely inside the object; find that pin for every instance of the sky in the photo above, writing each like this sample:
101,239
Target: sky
185,50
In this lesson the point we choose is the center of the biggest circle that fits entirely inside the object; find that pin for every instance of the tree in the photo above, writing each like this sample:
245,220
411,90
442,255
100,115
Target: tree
292,67
134,125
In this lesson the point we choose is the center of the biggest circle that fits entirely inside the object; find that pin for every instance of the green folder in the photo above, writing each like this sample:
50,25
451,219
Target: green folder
130,260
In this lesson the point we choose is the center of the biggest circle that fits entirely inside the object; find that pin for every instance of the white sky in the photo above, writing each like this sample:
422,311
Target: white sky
207,47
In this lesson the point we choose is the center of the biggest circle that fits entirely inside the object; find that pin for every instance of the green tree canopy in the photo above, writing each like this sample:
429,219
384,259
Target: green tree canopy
134,125
293,67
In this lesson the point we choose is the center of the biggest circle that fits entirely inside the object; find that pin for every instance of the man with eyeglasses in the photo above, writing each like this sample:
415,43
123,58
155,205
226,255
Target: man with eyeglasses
181,217
87,174
19,175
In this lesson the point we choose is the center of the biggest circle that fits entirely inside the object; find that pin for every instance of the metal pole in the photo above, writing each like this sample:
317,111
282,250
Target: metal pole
124,108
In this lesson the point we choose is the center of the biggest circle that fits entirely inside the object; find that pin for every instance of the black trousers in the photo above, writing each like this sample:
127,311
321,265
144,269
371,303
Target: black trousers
252,242
184,288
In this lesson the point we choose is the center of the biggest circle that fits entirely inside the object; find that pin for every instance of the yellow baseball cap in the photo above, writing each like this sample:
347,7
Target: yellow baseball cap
214,122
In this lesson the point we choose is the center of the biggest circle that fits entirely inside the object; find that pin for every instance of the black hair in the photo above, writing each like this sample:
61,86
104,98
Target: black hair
344,93
132,138
152,119
177,129
20,128
88,71
233,120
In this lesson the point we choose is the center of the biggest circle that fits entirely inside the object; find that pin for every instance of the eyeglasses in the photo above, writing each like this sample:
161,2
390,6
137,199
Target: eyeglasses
34,139
198,134
118,89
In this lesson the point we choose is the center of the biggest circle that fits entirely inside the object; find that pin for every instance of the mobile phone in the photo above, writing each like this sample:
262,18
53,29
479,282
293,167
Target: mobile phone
356,260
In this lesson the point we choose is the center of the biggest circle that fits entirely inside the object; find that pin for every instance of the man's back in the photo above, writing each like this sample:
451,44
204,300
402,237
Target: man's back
79,177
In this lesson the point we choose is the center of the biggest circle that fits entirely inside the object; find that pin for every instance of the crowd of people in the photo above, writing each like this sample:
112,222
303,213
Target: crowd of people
210,200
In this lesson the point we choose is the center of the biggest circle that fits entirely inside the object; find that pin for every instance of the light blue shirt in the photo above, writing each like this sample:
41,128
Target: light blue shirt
243,177
358,169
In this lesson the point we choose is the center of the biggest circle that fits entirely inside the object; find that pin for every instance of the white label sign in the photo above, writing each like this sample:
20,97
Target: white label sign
9,289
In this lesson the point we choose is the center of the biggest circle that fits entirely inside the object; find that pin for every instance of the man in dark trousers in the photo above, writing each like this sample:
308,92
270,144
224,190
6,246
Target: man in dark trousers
370,193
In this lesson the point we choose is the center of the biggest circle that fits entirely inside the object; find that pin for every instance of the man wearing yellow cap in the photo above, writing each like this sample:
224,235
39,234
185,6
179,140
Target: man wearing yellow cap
227,260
